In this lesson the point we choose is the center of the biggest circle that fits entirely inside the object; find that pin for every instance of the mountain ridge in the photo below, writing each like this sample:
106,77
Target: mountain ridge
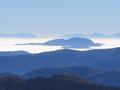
17,35
100,59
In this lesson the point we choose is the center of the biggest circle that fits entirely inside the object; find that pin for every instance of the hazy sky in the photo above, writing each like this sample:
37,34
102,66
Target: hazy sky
58,17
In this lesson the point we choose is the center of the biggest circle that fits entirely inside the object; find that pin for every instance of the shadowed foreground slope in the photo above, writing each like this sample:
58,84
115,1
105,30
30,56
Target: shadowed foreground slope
59,82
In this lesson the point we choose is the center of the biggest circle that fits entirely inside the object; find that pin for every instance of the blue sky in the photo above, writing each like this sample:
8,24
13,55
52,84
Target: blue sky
59,17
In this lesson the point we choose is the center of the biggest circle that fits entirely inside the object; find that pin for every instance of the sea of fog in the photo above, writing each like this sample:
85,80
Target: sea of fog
10,45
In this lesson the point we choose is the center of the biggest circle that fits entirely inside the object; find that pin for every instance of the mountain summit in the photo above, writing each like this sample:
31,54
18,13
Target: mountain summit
75,42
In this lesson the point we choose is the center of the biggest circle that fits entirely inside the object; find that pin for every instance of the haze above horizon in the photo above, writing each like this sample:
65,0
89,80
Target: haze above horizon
51,17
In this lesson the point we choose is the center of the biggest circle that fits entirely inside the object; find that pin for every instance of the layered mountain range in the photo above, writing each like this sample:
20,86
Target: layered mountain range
97,66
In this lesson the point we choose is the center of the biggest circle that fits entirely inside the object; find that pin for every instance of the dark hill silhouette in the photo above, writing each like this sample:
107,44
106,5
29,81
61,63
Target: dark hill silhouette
62,82
58,82
12,83
110,78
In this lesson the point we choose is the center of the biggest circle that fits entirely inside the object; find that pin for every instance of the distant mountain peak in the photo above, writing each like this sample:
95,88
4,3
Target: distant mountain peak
17,35
95,35
75,42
